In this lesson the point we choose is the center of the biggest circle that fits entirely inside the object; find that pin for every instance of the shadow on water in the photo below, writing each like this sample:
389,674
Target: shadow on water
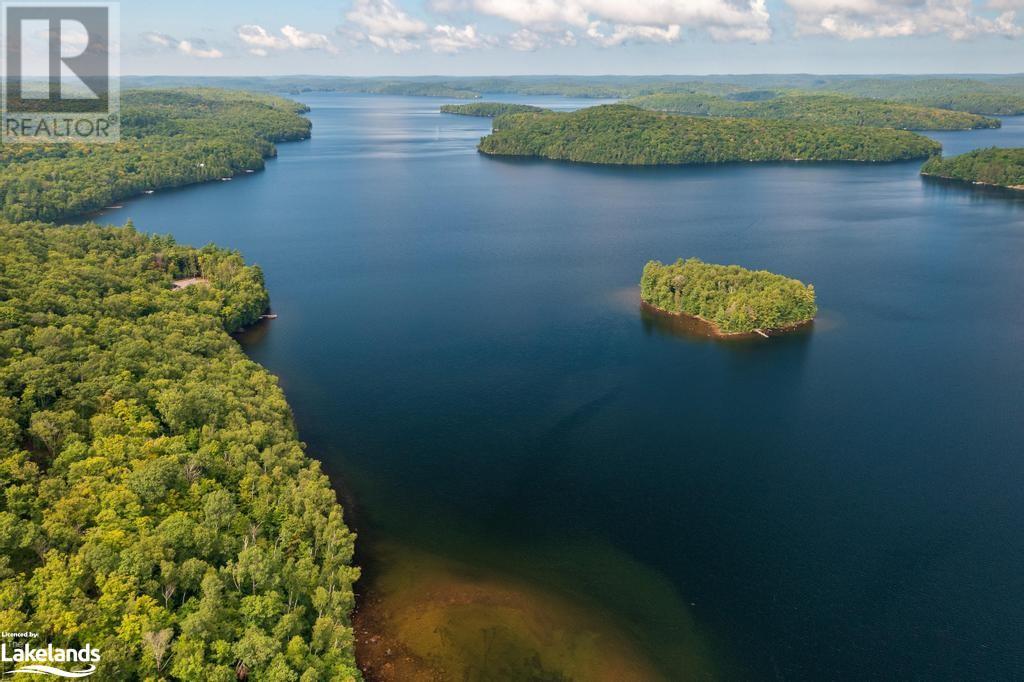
626,301
949,188
669,171
655,321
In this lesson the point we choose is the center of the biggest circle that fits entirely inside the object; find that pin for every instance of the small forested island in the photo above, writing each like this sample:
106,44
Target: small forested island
732,299
622,134
489,109
169,138
992,166
157,503
816,108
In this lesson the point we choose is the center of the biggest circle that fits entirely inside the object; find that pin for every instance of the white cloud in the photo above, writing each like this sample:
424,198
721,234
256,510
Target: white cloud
396,45
302,40
544,23
159,39
259,38
385,26
193,48
452,39
627,33
529,40
384,18
525,40
655,20
857,19
262,42
199,49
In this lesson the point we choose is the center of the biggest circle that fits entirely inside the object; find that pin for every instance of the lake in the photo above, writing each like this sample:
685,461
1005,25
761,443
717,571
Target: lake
461,340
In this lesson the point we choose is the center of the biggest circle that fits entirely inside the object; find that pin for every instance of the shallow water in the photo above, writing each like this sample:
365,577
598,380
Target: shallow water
459,341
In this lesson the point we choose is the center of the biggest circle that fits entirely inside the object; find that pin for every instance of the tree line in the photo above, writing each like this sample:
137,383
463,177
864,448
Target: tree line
823,108
488,109
169,138
992,166
958,94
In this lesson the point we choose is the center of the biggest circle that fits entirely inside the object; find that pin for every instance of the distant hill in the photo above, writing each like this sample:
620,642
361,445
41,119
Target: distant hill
980,94
824,108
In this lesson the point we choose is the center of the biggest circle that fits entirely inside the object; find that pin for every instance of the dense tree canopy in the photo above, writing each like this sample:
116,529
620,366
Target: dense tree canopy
169,138
156,502
816,108
734,299
993,166
488,109
620,134
958,94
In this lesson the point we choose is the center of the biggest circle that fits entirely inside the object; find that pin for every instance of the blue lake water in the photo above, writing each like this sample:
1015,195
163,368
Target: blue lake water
461,341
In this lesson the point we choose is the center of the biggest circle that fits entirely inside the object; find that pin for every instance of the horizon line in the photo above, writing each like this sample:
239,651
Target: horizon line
577,75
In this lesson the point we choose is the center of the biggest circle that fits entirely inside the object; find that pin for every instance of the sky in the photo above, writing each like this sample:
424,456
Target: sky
586,37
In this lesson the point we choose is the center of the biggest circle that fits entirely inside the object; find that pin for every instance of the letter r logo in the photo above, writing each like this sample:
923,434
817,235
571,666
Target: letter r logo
59,59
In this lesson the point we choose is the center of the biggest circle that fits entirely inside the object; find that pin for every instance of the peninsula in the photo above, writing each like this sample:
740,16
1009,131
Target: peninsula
732,299
992,166
824,108
625,135
169,138
153,474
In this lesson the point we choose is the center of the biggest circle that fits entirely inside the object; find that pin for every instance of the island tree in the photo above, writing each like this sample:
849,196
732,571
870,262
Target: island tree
735,300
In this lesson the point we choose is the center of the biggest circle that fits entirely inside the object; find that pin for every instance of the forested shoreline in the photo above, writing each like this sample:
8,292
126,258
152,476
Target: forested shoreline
157,503
993,166
826,109
733,299
170,138
488,109
624,135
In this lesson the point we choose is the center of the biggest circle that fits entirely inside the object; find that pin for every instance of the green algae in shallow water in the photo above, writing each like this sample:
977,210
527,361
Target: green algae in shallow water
433,618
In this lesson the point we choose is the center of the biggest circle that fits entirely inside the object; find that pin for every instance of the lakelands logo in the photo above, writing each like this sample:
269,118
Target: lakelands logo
48,660
61,78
